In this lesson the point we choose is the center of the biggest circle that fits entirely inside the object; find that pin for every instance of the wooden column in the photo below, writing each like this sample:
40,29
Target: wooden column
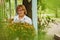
34,17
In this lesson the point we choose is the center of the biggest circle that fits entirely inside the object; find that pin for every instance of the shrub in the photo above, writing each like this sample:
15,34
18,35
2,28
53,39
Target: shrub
23,31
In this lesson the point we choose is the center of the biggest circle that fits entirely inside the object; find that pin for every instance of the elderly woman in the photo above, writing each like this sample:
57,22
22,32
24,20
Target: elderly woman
21,15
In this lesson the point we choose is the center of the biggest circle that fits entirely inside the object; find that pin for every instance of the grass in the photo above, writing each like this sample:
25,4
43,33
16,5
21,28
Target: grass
44,36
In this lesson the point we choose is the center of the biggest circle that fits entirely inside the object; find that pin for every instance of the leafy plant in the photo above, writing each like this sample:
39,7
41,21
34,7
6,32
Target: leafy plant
23,31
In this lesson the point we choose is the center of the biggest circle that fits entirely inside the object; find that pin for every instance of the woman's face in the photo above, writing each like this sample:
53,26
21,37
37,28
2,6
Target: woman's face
20,12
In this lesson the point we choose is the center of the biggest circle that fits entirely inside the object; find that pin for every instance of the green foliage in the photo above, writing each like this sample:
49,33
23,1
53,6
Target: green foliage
6,0
43,23
49,6
10,31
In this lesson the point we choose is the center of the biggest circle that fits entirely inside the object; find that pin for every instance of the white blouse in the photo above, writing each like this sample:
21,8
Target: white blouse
24,19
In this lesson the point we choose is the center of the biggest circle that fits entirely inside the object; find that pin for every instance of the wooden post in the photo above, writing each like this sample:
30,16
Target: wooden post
10,8
34,16
15,3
